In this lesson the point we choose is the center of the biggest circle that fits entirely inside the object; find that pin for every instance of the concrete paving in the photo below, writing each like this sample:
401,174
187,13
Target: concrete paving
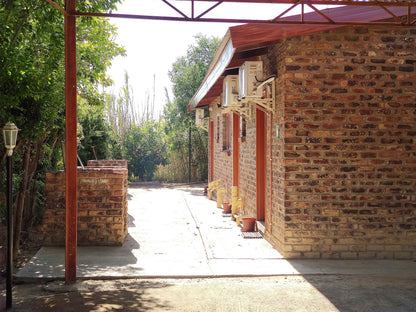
177,232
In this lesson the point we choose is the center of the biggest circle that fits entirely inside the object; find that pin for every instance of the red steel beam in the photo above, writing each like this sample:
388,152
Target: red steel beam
238,21
392,14
322,2
208,10
321,14
175,8
284,12
71,142
382,4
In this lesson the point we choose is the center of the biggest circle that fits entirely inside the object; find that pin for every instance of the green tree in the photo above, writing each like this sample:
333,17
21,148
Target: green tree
145,149
32,84
95,133
121,116
135,135
187,74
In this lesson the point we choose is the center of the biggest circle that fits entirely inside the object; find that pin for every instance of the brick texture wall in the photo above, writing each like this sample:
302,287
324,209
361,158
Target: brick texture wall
102,205
349,150
108,163
223,165
248,169
343,172
223,161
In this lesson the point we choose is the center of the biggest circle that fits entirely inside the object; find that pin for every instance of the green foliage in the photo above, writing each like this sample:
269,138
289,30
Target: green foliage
31,66
175,171
95,50
145,149
187,74
135,135
121,114
95,133
32,86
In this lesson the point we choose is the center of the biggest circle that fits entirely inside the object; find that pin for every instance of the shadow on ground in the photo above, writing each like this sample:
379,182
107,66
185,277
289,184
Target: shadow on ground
359,285
363,293
113,298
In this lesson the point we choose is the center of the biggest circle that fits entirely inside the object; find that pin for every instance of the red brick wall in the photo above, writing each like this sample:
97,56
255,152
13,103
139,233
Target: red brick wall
343,178
223,162
349,150
248,169
102,206
107,163
275,210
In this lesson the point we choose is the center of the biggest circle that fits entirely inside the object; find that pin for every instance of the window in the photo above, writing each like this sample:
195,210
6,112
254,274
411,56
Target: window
226,135
217,137
243,127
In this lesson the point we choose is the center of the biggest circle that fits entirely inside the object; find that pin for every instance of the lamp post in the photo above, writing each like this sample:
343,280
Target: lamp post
10,135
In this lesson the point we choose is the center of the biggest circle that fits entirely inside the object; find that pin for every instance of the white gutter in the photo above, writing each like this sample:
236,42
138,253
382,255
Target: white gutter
220,62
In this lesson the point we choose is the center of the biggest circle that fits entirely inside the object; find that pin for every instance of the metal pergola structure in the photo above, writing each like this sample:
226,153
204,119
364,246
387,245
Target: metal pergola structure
190,15
69,9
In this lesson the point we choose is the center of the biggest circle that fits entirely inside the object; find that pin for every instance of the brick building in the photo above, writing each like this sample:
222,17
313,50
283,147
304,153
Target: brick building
325,152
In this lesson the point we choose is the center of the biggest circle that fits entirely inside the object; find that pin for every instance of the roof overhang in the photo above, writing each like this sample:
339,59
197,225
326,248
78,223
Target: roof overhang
214,77
248,41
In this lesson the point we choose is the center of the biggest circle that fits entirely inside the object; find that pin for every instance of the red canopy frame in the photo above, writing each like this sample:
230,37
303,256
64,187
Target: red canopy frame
71,142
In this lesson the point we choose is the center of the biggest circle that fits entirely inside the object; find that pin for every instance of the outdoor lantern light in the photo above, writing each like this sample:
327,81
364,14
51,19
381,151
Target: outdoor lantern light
10,135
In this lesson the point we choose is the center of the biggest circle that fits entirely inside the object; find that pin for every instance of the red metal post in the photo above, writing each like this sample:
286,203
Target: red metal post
71,142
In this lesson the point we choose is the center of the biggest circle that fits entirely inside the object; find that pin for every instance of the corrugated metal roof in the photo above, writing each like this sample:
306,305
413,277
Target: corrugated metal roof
254,36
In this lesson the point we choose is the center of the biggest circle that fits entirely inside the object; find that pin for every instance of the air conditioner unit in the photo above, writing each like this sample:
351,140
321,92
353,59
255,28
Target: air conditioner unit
199,116
229,90
249,75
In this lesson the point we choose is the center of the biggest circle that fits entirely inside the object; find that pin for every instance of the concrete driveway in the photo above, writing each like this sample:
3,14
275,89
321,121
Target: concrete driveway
177,232
177,241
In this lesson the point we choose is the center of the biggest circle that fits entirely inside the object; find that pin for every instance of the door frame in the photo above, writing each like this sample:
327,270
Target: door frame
261,166
211,150
236,150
